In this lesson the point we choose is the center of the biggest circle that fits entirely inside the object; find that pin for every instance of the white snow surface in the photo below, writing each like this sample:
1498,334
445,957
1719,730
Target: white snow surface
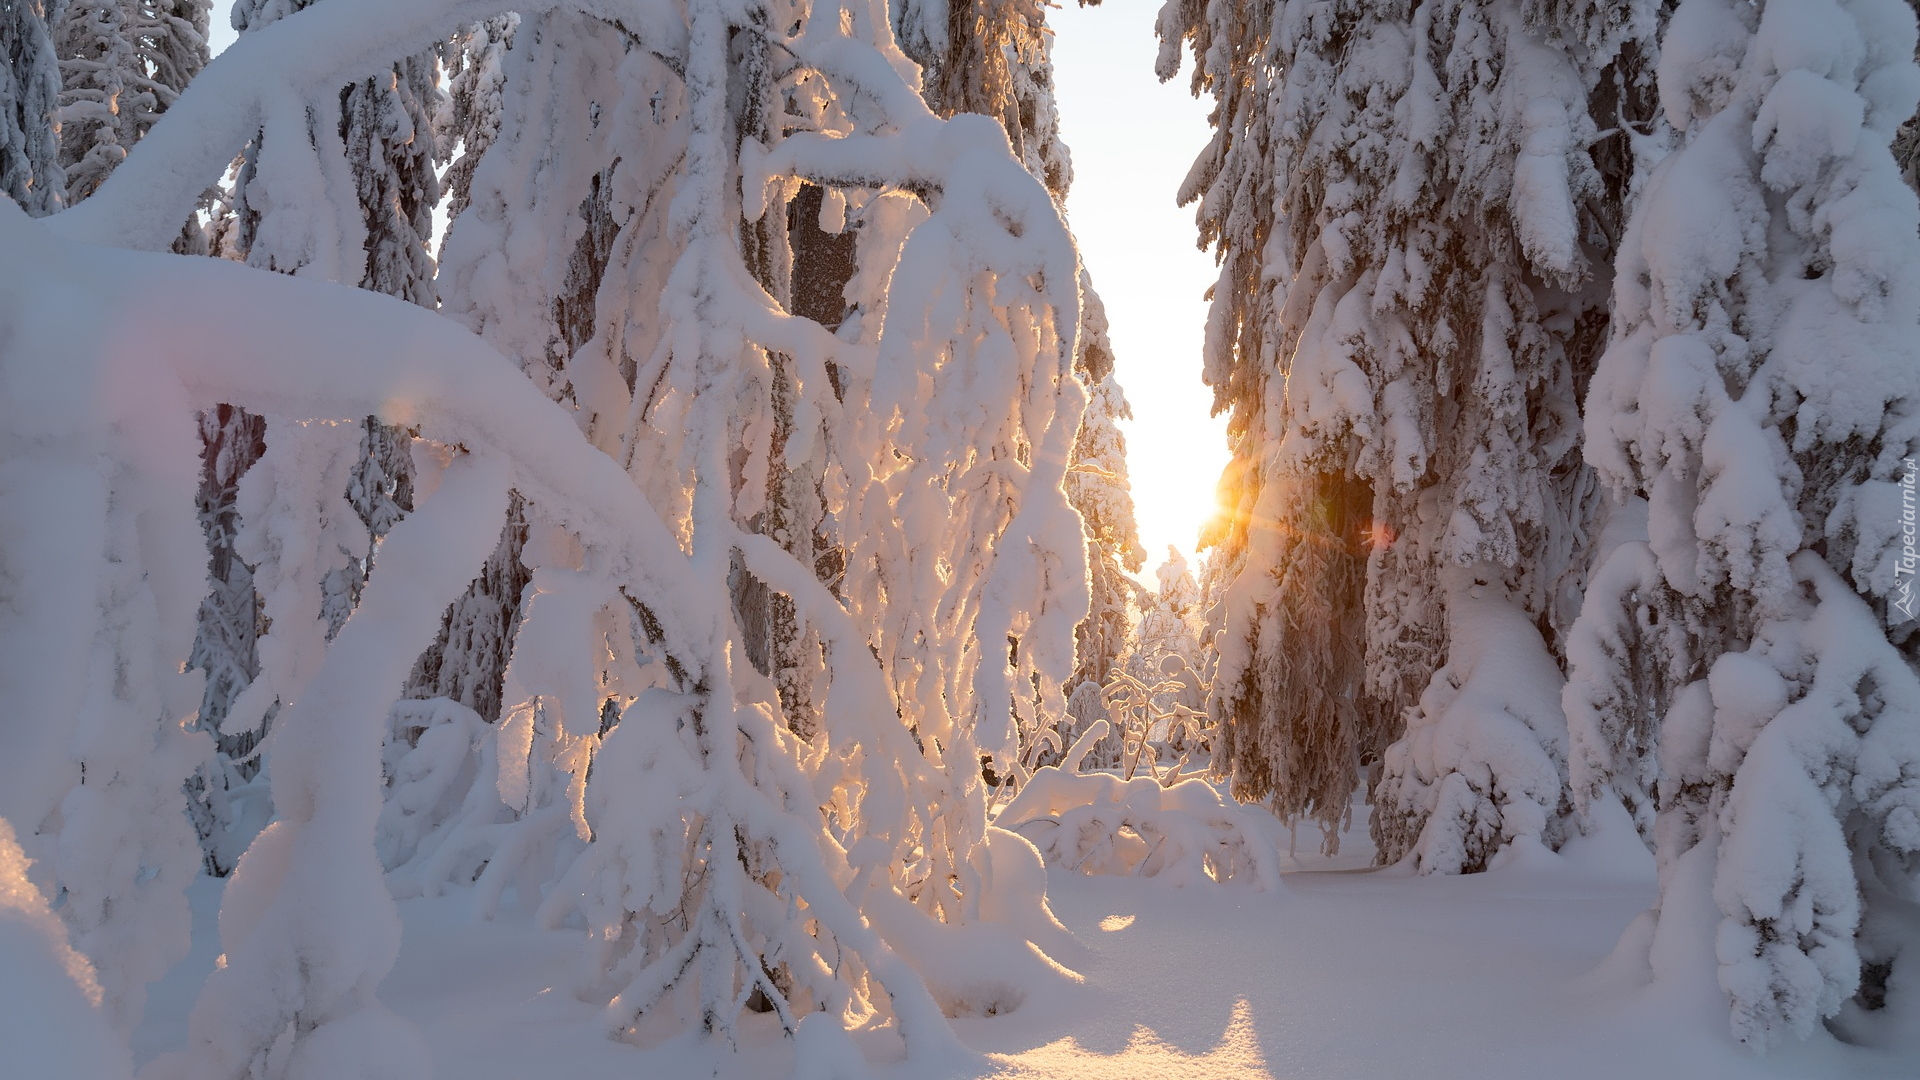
1349,974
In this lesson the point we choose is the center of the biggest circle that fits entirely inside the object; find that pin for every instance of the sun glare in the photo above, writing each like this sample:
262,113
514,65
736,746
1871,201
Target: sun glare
1133,140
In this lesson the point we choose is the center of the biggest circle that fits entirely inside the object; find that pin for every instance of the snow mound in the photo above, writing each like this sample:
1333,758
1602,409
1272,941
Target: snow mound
1096,823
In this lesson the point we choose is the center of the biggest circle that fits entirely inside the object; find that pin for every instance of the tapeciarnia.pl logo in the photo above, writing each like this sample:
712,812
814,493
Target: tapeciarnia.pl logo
1909,561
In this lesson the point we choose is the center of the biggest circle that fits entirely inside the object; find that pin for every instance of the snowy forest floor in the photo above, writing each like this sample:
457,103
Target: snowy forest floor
1354,974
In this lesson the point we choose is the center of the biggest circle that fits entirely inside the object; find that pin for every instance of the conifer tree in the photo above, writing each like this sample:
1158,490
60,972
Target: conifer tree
1409,203
101,100
994,57
122,62
569,282
1734,676
30,172
475,79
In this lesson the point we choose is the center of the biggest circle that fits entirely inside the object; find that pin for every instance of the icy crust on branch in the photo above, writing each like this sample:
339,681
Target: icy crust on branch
1407,202
1763,392
1483,761
1181,831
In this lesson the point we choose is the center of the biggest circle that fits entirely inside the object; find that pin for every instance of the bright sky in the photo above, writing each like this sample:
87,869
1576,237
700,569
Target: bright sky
1133,140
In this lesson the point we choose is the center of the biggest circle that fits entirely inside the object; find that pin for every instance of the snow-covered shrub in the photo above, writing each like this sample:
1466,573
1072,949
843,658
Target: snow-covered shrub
437,752
1483,762
1180,830
1762,393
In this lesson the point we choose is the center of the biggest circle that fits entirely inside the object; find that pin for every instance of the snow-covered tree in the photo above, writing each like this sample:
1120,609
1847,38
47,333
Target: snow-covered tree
1097,487
1762,395
101,100
1906,142
389,133
103,569
475,79
1170,621
1167,653
851,871
994,57
117,844
122,62
227,812
388,127
30,171
173,42
389,144
1409,203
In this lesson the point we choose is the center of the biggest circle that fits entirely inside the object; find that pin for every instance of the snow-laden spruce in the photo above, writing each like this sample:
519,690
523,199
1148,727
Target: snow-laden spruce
1735,663
122,62
30,172
850,870
1412,205
101,101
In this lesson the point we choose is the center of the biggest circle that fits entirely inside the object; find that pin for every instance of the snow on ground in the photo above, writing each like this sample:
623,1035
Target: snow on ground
1353,974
